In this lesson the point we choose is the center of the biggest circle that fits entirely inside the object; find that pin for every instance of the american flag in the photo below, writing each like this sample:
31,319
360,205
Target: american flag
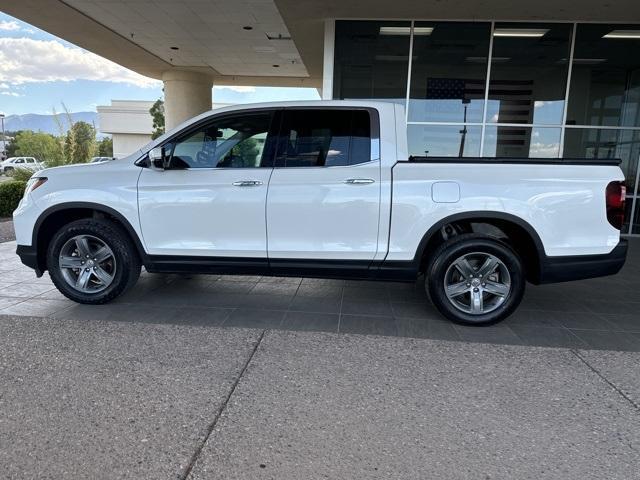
516,105
454,89
516,100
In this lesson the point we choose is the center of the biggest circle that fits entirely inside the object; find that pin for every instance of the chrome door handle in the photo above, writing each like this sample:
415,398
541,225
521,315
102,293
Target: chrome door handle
247,183
359,181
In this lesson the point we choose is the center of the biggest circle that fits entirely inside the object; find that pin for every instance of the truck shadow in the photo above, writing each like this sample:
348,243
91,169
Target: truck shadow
601,313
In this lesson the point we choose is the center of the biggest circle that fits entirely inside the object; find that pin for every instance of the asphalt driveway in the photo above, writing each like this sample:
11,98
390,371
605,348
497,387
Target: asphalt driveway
119,399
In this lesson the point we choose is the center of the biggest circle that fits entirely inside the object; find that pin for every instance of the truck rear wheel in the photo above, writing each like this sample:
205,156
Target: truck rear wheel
473,279
92,261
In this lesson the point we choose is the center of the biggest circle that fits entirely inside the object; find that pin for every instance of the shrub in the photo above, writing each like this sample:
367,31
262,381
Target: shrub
20,174
10,194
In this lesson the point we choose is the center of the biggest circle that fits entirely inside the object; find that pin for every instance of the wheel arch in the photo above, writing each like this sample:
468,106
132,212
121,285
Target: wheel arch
55,216
521,235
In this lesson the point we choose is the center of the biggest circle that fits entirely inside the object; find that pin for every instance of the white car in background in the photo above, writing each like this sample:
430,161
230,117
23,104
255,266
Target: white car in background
13,163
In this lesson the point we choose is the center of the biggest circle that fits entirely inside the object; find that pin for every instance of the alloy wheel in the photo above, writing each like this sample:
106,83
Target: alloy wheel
87,264
477,283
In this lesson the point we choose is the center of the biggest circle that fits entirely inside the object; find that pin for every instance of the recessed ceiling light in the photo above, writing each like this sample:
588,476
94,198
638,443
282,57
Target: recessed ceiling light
264,49
484,59
520,32
623,34
405,30
277,36
174,48
247,27
393,58
588,61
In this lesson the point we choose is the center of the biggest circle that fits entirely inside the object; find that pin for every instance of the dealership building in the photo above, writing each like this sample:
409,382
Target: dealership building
478,78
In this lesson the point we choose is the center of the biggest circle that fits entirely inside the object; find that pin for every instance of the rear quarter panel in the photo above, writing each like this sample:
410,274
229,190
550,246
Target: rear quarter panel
565,204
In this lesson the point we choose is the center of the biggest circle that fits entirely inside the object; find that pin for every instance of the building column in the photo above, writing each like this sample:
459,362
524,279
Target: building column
186,94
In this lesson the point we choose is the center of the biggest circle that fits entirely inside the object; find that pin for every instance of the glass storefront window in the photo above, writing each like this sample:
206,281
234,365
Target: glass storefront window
605,79
522,142
444,140
529,68
526,101
448,71
606,143
371,60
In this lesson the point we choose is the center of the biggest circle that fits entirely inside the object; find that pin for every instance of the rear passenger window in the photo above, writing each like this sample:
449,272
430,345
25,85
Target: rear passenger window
324,138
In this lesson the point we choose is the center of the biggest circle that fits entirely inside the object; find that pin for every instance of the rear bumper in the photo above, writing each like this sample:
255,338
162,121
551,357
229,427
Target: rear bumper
29,256
564,269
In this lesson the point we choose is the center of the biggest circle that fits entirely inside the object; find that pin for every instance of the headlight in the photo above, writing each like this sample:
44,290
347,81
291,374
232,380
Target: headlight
33,183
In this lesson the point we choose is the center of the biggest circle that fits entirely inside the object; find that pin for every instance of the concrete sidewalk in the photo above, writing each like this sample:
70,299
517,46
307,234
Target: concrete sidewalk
108,399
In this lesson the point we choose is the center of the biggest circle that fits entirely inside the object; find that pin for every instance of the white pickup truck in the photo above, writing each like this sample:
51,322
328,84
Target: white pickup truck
323,189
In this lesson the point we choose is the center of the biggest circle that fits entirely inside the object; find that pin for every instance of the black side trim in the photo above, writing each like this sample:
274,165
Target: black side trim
351,269
396,270
355,269
29,257
526,161
196,264
578,267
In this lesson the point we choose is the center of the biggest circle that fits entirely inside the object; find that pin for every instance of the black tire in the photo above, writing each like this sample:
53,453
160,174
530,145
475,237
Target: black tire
468,244
126,257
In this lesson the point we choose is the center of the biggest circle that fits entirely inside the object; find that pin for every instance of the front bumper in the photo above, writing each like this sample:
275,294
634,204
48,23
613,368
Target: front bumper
29,257
579,267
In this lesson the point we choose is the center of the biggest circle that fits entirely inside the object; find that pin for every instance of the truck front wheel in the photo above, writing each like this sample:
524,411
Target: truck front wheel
473,279
92,261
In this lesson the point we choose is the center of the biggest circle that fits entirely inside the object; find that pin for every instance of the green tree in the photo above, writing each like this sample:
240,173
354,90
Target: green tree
9,144
80,144
157,114
11,147
43,146
248,152
105,147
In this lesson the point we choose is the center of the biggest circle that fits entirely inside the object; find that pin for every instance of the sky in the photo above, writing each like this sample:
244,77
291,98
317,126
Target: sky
39,72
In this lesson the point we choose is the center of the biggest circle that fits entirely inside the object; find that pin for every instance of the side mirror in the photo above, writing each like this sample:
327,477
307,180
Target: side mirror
157,158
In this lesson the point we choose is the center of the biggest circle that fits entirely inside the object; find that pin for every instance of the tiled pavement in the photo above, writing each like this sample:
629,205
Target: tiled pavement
600,313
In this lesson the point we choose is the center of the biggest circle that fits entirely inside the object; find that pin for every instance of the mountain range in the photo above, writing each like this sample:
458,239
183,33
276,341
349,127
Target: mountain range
46,123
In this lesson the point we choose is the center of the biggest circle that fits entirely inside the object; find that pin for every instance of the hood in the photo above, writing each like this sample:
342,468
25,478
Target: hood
90,168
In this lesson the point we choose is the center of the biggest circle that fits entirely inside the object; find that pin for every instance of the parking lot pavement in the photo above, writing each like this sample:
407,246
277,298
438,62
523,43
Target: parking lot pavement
126,399
601,313
111,399
329,406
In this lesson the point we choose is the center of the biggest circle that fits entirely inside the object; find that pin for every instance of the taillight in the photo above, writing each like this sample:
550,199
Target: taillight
616,194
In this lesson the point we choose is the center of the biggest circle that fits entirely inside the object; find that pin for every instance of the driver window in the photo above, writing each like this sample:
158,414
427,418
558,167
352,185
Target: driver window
229,142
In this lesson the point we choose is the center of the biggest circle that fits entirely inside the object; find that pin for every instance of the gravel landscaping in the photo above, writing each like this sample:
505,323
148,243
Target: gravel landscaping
6,230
